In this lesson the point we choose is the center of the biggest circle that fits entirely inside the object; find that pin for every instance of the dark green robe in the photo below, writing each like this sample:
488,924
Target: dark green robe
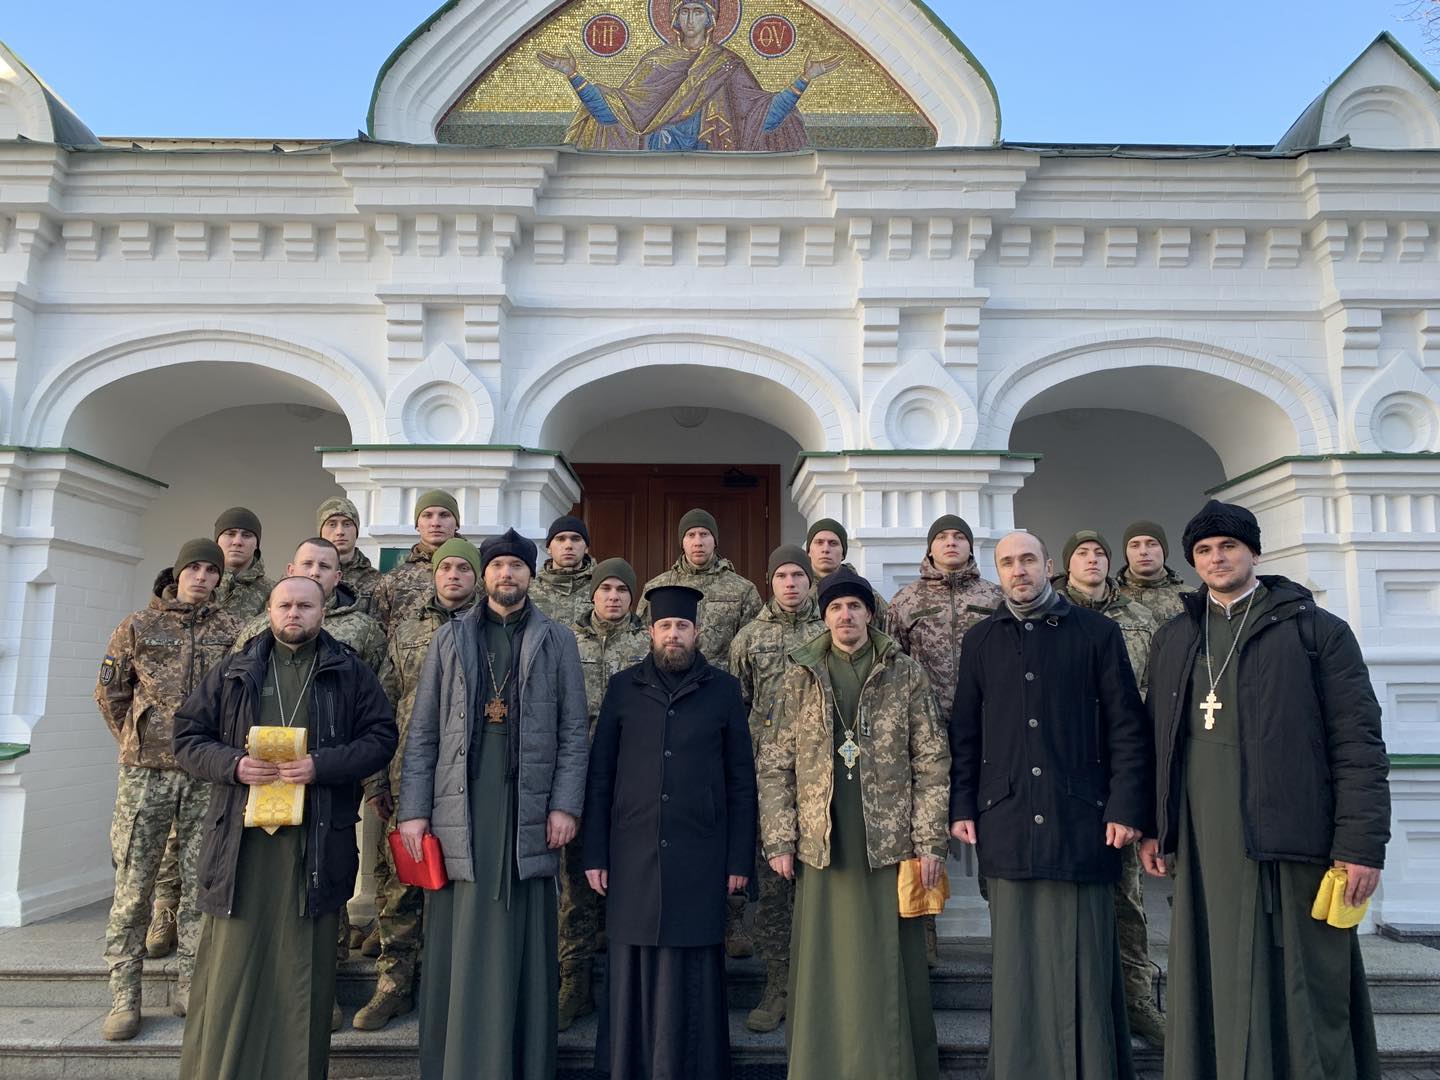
265,977
859,985
1258,990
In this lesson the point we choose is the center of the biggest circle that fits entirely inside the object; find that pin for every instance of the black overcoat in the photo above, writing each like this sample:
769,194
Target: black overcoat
670,807
1314,771
1049,741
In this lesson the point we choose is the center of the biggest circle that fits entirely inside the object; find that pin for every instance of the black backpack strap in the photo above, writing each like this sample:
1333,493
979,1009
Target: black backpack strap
1305,623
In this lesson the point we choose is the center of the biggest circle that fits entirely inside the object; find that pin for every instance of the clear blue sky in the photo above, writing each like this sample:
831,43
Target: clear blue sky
1223,71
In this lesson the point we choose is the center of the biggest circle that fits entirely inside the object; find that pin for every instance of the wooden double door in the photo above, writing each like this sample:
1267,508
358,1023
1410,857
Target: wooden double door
634,512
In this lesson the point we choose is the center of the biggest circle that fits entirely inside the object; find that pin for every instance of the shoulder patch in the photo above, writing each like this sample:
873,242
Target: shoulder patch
108,667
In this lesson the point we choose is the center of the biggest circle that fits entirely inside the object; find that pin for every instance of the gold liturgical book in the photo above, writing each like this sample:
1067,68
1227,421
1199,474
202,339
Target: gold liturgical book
272,805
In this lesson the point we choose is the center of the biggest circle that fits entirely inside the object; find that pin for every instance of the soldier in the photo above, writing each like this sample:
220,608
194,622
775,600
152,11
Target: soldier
827,543
152,662
399,907
244,586
758,657
403,591
928,619
338,521
1087,584
563,587
730,600
1146,578
611,638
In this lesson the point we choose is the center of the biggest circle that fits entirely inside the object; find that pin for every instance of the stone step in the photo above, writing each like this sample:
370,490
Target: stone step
41,1044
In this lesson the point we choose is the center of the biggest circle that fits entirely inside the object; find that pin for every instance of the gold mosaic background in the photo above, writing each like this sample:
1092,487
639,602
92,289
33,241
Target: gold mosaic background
520,102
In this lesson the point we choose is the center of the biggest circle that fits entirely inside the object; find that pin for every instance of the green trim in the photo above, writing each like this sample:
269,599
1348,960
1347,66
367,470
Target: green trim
86,457
392,557
440,12
9,751
1289,459
1008,455
427,447
1415,761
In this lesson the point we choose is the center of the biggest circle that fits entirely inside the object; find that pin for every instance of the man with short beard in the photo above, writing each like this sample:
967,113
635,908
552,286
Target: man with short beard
562,588
403,591
264,985
338,521
827,544
494,765
669,833
1146,578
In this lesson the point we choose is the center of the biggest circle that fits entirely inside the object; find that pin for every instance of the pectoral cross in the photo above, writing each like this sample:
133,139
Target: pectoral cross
849,753
495,711
1210,706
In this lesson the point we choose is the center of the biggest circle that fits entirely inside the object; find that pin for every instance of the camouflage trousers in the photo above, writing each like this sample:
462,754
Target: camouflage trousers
581,910
148,803
1132,930
167,881
770,929
398,911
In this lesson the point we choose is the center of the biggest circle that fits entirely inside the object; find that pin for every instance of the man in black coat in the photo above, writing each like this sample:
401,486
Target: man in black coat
271,894
669,827
1271,770
1050,778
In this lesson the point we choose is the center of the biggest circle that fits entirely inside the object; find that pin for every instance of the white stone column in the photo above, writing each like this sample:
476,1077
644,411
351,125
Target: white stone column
69,546
1360,530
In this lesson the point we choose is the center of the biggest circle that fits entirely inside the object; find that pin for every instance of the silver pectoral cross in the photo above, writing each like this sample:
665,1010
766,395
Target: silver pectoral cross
1210,706
849,753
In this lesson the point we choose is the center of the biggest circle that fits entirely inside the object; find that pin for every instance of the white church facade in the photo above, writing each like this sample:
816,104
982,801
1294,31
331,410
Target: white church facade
846,299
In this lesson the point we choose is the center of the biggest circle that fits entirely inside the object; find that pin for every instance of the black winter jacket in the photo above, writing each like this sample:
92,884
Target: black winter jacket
670,805
352,735
1313,766
1048,743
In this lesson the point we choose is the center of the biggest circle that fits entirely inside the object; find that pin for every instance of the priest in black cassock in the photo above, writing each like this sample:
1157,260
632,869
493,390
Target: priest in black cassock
669,833
1051,773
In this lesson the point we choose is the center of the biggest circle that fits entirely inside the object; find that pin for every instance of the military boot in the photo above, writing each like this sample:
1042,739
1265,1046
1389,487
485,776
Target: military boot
932,941
576,992
1147,1022
737,939
770,1013
163,933
123,1020
381,1009
181,1004
371,946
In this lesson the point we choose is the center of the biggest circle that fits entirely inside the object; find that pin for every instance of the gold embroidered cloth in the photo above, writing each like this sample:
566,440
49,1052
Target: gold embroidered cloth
269,806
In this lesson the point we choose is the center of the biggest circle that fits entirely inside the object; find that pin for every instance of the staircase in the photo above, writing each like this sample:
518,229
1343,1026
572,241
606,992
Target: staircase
53,996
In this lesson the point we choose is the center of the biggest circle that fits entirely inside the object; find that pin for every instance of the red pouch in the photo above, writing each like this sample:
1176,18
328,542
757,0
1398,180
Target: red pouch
429,872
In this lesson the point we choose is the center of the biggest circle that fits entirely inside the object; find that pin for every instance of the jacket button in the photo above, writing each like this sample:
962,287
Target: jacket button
669,754
664,798
1029,676
462,789
1034,722
1039,819
1035,771
462,751
670,713
664,843
1029,626
462,714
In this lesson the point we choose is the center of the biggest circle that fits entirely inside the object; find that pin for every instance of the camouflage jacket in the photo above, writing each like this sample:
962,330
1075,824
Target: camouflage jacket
881,607
606,649
730,602
402,592
928,619
904,761
405,652
152,662
761,651
362,579
345,621
1162,597
564,595
244,592
1137,624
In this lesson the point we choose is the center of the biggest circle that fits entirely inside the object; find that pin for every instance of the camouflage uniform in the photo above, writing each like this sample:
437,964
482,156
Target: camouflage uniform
1137,626
362,579
398,907
730,602
345,621
244,592
153,660
606,649
904,764
881,607
928,619
406,589
759,656
1162,596
565,595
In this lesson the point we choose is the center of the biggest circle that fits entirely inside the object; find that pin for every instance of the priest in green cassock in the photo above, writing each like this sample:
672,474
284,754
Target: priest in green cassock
1051,778
494,767
853,777
1272,774
264,983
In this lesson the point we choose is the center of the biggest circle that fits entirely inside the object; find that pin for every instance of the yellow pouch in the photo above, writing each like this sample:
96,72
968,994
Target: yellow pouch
915,899
270,806
1330,906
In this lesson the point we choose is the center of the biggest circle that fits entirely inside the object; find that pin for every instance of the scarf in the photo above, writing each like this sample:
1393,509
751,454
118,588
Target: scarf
1041,603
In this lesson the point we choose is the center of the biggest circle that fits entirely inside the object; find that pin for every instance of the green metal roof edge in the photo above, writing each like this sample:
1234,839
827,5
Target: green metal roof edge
87,457
69,129
925,9
1415,761
1427,455
416,447
9,751
1009,455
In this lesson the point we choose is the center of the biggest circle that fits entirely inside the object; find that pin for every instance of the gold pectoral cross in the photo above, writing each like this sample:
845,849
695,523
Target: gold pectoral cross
495,711
1210,706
